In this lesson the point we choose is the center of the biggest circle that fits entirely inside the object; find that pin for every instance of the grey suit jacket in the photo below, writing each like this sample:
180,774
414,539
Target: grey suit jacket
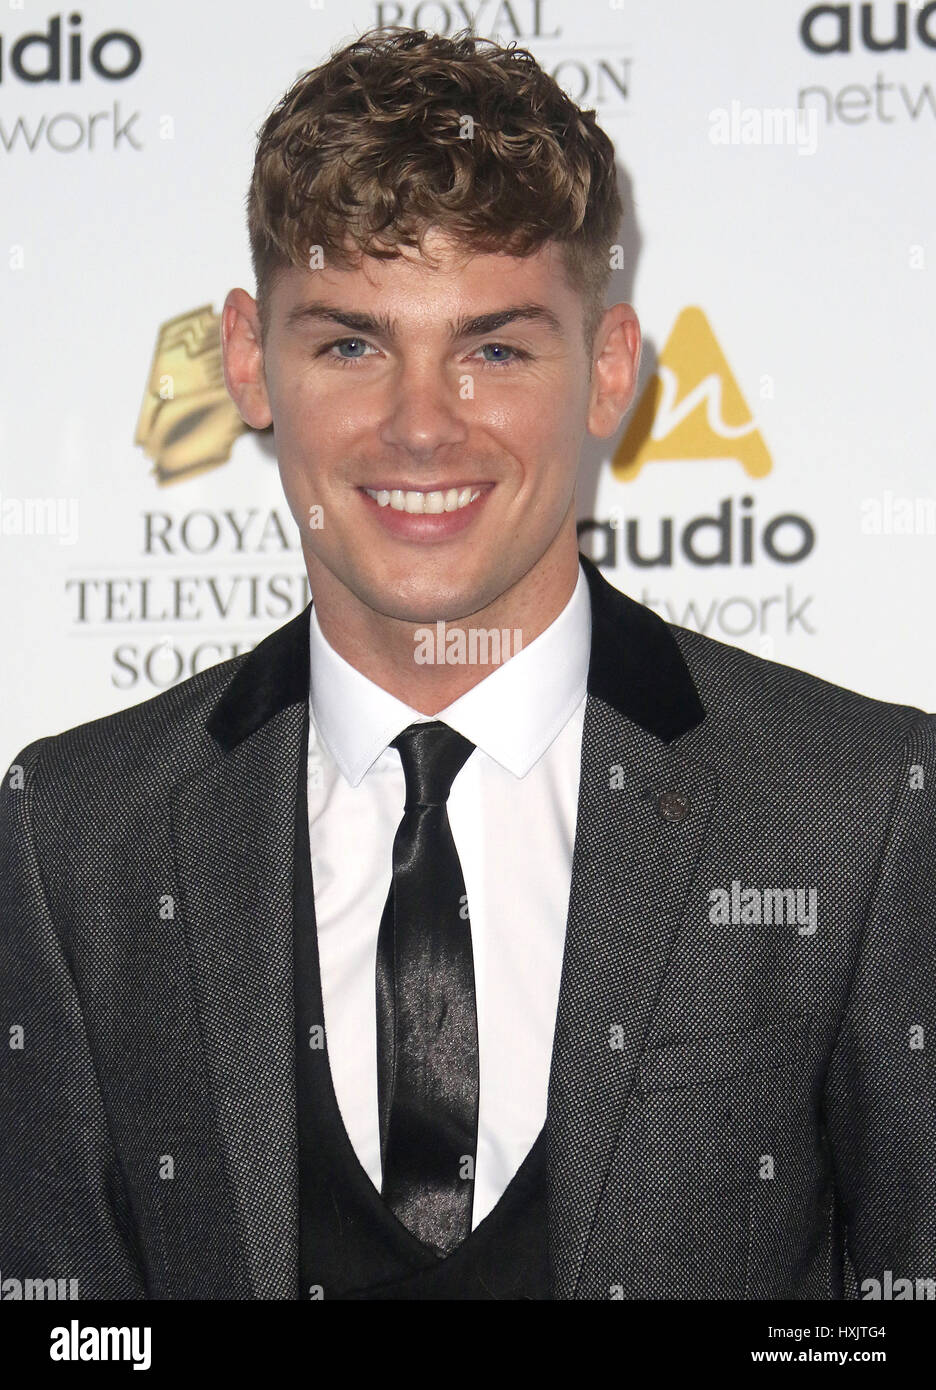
738,1107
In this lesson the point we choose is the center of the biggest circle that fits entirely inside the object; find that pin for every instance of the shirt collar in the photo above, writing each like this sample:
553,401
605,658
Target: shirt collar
512,715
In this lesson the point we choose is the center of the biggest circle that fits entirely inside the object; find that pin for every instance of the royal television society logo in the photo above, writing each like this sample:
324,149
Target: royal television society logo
188,422
692,408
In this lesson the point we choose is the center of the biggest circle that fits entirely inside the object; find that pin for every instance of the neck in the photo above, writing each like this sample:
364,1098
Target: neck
382,648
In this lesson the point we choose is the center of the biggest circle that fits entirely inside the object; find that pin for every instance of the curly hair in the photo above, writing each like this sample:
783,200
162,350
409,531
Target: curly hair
402,130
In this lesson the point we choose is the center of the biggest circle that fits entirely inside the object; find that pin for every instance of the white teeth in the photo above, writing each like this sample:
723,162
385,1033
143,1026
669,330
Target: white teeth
424,503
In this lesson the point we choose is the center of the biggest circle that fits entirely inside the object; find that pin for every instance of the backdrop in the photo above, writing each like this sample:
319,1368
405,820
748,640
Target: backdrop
773,484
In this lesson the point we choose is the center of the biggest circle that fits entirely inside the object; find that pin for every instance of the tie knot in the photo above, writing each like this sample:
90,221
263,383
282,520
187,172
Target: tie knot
432,755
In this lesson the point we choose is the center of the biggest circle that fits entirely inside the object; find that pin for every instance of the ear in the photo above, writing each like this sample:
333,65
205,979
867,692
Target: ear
615,365
242,355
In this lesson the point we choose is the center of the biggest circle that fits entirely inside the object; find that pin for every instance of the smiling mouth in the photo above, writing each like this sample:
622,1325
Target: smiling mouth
428,502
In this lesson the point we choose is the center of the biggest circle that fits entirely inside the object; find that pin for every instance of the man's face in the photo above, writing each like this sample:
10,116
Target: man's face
383,380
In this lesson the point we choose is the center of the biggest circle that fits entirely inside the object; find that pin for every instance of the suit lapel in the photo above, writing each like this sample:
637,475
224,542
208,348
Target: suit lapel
633,863
233,831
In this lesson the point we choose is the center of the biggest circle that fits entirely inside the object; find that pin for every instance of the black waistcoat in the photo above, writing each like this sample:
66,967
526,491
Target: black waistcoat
351,1245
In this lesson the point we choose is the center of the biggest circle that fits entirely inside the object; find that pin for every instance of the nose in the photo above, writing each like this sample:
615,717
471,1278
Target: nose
423,412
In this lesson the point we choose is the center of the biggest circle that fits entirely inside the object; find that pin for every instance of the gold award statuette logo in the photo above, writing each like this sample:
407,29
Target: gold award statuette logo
188,422
692,408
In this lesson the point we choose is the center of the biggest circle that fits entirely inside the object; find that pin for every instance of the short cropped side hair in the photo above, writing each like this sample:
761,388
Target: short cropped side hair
401,131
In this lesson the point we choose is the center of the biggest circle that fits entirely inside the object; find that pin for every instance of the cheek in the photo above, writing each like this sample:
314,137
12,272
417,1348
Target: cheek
296,490
300,431
547,437
545,413
320,426
293,413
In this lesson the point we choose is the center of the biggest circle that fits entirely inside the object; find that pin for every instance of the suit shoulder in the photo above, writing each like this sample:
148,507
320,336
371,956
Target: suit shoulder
155,738
760,696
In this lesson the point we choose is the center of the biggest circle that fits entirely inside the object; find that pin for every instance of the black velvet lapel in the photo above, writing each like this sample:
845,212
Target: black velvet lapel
275,674
635,666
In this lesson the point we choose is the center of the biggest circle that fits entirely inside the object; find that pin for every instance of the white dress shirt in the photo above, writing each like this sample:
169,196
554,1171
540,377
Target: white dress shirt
512,810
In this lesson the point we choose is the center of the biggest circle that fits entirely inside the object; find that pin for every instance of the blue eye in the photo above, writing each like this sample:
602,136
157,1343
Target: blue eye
348,342
517,355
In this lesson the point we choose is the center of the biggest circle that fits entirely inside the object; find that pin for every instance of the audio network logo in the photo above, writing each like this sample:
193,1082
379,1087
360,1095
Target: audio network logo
901,35
692,408
45,59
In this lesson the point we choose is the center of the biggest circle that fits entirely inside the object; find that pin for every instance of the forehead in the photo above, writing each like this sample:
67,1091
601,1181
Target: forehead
444,280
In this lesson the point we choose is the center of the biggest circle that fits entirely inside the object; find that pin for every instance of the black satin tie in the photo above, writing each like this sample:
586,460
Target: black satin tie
427,1026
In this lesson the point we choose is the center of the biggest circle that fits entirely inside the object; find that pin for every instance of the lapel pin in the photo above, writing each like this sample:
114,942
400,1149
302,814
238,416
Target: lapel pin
673,806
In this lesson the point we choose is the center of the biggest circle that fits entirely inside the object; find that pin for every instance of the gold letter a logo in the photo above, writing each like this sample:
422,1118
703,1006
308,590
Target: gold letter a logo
692,408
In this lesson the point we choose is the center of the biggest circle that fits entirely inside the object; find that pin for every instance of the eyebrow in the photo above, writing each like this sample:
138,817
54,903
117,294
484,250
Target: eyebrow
475,326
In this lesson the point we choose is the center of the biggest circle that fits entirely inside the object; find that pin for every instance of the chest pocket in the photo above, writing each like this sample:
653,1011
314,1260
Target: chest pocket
703,1061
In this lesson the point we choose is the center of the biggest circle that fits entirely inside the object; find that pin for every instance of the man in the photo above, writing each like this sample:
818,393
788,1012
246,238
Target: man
598,964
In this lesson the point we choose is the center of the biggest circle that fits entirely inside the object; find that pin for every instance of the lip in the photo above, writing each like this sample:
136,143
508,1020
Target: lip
425,526
425,487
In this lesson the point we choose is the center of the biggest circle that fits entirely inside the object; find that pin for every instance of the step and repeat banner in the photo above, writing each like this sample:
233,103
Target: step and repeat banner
774,484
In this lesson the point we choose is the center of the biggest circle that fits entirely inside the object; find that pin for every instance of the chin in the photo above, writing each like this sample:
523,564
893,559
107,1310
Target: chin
427,602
